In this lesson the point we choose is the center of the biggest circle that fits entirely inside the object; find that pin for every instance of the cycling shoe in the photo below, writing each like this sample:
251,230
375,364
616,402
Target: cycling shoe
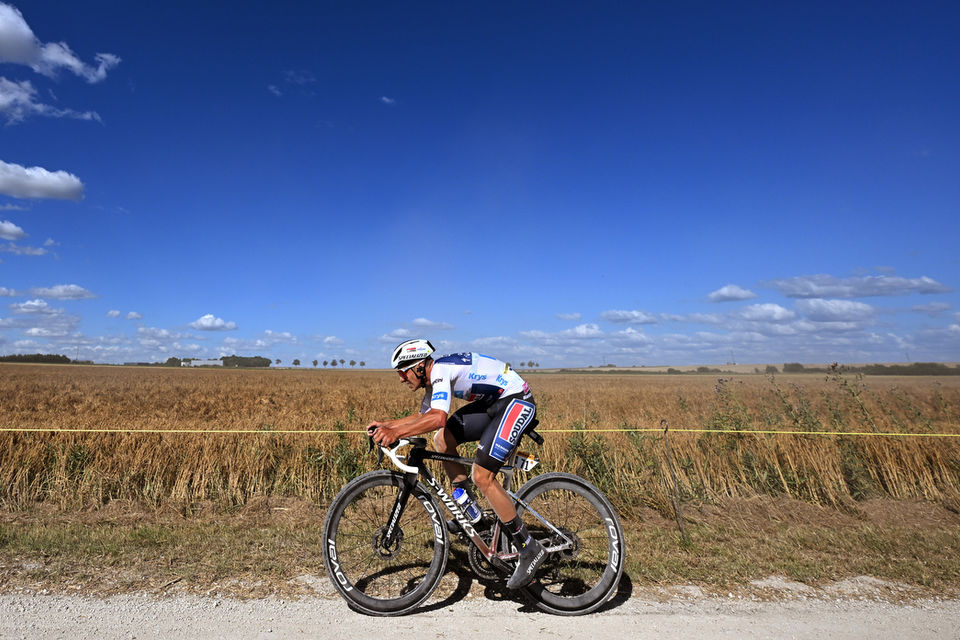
532,556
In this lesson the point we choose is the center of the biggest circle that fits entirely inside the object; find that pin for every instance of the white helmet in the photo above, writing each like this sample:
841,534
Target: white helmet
410,353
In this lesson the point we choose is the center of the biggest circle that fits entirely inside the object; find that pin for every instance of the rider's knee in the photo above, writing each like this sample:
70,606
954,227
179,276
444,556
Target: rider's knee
483,477
440,442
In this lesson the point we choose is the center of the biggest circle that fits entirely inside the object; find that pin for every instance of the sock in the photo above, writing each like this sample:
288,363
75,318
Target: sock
517,532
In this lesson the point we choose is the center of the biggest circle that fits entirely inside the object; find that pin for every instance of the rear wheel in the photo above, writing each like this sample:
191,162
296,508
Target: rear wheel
374,575
581,578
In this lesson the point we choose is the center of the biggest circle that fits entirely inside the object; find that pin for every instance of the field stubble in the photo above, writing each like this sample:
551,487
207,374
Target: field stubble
54,482
88,469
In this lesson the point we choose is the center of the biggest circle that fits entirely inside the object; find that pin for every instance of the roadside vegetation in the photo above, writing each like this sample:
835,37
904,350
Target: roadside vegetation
144,508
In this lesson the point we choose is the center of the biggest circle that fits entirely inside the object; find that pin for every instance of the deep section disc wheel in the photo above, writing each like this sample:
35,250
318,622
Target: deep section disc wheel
582,576
376,575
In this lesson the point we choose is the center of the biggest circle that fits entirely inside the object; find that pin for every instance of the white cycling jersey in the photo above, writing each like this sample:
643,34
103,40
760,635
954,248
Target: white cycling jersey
470,376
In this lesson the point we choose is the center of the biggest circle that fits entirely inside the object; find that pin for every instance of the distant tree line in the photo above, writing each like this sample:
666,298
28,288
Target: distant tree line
913,369
231,362
36,358
699,370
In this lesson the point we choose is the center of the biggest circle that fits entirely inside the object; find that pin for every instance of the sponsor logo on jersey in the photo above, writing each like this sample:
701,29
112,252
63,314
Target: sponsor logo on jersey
480,391
515,419
436,380
439,395
476,376
455,358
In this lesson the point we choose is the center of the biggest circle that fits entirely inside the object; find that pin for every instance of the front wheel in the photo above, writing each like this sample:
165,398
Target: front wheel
581,578
374,575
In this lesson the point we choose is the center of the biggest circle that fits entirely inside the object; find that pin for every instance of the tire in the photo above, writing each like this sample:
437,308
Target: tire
580,580
371,580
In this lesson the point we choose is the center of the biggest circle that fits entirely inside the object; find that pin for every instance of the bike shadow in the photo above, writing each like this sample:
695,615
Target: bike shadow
460,568
622,594
496,591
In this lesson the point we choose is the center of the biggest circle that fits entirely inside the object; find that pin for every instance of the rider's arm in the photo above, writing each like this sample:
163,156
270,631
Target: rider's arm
390,431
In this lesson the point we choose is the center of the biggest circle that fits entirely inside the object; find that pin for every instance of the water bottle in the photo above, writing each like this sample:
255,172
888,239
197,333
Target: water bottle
469,507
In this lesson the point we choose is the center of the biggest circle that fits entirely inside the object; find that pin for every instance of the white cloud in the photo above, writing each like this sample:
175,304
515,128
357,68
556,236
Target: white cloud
45,332
825,286
386,100
113,313
575,335
209,322
629,317
38,319
274,337
397,335
9,293
10,231
568,316
730,293
299,77
423,323
631,337
156,333
267,341
332,341
932,309
694,318
22,251
63,292
34,306
134,315
37,182
820,310
18,45
18,101
768,312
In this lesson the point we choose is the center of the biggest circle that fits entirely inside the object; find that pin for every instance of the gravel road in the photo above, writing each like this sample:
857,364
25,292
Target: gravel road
182,617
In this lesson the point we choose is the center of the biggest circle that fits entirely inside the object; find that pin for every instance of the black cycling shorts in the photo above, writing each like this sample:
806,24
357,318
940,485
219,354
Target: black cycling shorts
497,427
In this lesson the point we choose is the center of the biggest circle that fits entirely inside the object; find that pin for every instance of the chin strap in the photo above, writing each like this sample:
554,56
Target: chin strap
419,371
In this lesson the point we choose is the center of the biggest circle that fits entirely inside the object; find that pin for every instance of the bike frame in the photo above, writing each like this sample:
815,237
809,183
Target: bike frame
414,469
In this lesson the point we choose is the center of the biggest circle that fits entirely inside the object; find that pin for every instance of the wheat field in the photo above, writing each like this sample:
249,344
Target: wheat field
604,426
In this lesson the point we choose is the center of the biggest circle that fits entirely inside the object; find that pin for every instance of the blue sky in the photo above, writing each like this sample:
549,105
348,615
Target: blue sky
575,184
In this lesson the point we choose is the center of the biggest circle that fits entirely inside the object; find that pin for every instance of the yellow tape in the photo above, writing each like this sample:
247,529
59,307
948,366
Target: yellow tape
328,431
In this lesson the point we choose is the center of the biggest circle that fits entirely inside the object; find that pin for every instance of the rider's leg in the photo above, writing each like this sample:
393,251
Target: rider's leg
532,553
509,418
445,442
465,424
498,498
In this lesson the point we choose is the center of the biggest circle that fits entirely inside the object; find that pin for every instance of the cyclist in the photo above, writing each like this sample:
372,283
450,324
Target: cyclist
500,408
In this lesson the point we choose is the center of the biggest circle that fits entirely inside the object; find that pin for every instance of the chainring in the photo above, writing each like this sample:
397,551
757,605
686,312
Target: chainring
478,563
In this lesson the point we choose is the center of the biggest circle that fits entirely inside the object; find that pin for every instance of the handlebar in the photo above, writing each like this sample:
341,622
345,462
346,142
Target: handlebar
391,452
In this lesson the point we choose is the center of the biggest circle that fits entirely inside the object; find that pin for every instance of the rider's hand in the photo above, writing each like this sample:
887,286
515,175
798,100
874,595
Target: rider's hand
381,434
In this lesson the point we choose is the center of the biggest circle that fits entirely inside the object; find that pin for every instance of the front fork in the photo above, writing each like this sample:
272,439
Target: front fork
389,538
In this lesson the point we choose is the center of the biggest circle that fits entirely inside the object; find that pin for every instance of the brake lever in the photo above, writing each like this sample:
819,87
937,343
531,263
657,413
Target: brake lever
379,450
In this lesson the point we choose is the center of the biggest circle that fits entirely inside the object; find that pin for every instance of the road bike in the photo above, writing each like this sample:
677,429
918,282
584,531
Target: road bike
385,554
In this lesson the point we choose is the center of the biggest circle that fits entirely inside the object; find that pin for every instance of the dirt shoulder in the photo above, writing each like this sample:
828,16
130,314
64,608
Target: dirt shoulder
684,613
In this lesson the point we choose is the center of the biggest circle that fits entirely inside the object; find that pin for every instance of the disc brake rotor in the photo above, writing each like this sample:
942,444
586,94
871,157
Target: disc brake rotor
386,551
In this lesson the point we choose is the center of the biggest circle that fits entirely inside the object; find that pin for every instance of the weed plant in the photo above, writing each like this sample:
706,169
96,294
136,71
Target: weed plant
604,428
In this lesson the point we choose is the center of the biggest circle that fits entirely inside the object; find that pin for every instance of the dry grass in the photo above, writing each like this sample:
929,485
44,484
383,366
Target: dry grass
267,546
101,513
182,470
